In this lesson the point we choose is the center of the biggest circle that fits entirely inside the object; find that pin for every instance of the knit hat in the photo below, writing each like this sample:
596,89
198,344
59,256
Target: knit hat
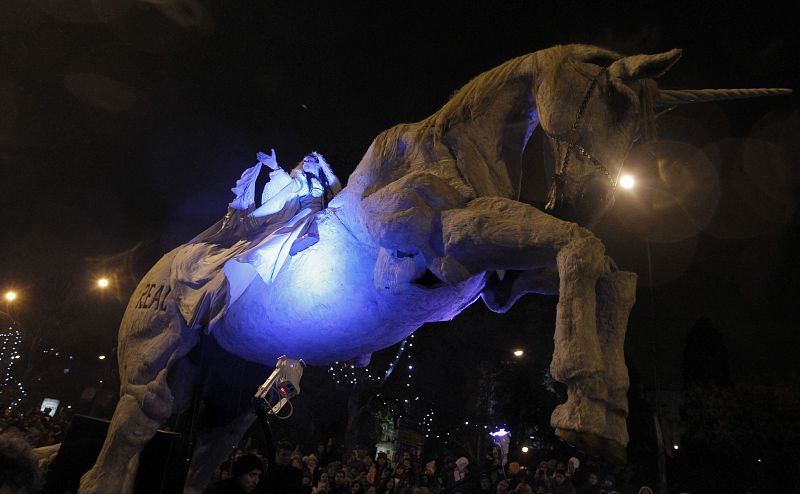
247,463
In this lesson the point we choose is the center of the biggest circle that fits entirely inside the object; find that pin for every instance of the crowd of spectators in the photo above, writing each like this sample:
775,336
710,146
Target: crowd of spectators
36,426
326,471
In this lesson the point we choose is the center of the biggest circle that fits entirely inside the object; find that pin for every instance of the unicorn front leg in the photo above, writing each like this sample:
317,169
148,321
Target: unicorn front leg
497,234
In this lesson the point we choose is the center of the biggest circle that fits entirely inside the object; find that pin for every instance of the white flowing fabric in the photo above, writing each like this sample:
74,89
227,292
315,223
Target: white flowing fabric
209,274
245,188
267,256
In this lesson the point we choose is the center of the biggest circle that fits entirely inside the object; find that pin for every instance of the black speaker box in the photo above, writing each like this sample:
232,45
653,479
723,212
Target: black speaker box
159,471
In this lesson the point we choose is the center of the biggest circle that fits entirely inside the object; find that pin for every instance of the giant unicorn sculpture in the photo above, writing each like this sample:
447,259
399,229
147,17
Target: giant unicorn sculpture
428,222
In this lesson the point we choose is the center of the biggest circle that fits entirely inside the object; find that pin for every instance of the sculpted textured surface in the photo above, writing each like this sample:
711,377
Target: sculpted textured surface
428,223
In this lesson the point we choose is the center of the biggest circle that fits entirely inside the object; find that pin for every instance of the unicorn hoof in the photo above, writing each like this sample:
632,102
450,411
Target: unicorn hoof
595,445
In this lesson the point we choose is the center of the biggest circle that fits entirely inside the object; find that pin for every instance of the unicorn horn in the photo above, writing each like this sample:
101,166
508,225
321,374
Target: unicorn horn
672,97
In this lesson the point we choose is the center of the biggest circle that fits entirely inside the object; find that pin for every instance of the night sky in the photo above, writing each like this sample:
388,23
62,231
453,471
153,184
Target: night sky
125,123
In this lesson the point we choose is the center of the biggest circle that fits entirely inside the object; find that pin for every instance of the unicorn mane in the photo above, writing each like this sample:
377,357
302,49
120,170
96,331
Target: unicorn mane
465,103
462,106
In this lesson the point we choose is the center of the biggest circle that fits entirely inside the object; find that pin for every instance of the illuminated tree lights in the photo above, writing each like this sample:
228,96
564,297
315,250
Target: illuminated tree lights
346,373
10,340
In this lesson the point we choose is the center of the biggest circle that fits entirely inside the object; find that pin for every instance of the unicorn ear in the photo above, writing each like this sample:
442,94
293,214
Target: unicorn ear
594,54
645,66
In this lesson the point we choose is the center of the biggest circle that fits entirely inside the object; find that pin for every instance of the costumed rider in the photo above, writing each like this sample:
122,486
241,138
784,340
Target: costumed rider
307,190
258,234
247,199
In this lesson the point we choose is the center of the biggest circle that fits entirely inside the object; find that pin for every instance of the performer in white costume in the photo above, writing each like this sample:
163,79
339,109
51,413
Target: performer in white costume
255,238
310,186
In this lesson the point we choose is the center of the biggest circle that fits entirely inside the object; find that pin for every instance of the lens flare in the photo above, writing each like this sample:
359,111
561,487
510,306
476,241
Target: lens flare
626,182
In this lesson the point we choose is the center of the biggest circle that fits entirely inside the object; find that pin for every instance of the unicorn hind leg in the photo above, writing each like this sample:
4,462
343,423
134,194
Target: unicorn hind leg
155,377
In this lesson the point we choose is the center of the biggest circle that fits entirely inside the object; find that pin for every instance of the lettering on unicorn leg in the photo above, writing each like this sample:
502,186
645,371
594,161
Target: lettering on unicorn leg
149,299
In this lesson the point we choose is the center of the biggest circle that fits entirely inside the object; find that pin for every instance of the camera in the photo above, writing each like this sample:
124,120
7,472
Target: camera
282,385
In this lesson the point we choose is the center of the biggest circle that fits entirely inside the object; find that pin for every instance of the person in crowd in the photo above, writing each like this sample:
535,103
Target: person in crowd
308,483
246,476
523,488
592,485
311,465
389,487
484,485
561,484
375,472
356,461
282,476
398,476
340,483
541,476
502,487
19,469
608,486
333,451
368,462
409,469
297,460
461,470
322,485
322,455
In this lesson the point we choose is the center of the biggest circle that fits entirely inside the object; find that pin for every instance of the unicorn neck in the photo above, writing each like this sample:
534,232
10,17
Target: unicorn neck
488,123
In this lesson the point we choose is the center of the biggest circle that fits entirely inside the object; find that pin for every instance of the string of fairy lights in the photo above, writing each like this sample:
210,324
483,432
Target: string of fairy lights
10,340
347,373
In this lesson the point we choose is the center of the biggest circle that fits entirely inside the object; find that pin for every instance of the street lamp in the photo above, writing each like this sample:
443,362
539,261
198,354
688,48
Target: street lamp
11,296
103,282
627,182
519,352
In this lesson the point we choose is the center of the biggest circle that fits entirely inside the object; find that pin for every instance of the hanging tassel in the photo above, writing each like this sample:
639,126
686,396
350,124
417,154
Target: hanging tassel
552,194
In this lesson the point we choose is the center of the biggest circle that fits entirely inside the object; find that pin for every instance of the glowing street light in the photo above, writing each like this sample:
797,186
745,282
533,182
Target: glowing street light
519,353
103,282
524,449
102,357
11,296
627,182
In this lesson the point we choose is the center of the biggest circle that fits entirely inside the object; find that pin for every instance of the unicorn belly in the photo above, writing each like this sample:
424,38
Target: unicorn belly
325,305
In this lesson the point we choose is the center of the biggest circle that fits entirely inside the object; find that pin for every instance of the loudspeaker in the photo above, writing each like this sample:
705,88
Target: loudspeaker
82,443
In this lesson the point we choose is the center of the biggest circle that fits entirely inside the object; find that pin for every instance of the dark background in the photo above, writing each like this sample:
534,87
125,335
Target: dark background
123,125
